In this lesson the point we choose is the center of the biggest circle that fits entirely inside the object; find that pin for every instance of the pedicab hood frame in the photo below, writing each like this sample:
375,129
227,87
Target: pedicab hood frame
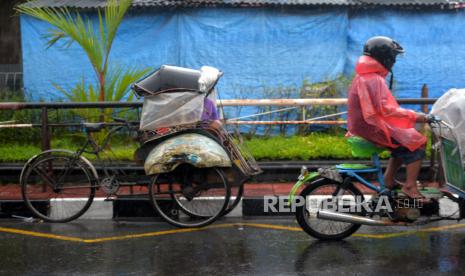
174,99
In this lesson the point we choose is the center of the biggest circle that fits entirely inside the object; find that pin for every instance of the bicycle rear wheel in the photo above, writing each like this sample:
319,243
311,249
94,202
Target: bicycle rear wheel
190,197
57,186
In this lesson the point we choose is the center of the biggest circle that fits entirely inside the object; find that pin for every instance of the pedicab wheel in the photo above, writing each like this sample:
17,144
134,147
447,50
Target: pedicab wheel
320,195
57,186
236,196
234,200
190,197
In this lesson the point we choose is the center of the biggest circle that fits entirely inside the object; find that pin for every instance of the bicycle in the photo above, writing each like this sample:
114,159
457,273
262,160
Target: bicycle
60,185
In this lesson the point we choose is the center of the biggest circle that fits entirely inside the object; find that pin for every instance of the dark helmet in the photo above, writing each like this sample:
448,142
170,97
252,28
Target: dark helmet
383,49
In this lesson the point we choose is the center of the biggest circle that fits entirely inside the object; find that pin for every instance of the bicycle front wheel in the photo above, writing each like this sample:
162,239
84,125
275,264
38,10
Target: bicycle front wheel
190,197
57,186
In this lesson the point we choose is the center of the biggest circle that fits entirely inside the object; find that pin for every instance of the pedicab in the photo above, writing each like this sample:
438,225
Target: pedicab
331,206
198,167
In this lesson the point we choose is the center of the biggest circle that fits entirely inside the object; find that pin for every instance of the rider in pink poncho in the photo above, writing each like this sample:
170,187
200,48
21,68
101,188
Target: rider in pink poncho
375,115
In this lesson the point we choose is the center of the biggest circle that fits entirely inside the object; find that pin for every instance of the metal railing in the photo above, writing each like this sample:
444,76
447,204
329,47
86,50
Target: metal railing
45,107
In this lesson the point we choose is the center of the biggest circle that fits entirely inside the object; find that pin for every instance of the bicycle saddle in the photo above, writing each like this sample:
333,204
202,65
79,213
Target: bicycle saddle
92,127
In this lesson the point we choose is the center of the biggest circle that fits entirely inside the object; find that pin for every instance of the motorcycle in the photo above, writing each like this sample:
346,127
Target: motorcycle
330,205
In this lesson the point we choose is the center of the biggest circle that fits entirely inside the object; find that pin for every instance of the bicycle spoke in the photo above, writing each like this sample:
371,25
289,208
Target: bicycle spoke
44,176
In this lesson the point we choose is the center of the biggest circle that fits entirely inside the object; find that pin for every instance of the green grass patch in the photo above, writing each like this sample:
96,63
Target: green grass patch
311,147
17,153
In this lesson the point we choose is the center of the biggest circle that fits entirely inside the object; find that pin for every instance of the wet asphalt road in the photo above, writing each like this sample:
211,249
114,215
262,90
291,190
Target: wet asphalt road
230,247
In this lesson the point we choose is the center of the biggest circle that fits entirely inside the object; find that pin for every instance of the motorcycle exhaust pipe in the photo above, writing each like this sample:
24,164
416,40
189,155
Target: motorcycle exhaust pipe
336,216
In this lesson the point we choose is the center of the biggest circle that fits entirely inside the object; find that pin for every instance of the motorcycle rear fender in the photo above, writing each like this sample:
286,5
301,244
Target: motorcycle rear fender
303,180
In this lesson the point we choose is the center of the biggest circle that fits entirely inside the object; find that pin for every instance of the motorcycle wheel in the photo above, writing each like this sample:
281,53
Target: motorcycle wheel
315,195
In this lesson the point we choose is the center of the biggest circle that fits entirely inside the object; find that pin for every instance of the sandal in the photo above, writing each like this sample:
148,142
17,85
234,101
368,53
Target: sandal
421,198
397,185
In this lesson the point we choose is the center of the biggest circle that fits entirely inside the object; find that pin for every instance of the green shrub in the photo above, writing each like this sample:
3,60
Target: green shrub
17,153
17,135
313,146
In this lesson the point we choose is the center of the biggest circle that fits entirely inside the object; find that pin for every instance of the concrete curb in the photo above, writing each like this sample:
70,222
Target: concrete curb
141,208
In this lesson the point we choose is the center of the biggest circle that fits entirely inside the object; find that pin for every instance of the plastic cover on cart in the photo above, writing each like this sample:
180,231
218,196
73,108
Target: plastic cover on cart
450,107
171,109
175,96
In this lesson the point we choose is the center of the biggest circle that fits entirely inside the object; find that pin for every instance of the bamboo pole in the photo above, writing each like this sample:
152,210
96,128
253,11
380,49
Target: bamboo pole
286,122
282,102
15,125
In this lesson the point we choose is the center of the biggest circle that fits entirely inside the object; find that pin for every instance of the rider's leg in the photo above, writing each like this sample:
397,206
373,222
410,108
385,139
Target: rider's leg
410,188
393,165
412,160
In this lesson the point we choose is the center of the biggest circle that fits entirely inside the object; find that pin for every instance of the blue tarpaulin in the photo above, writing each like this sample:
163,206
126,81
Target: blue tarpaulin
433,41
261,49
257,49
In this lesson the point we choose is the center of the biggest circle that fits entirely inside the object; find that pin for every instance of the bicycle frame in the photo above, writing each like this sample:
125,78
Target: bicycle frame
356,173
95,150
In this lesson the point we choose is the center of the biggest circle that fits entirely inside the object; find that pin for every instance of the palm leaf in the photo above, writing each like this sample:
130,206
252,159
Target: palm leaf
97,46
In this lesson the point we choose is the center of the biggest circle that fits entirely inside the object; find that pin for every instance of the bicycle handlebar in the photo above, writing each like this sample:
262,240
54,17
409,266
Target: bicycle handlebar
430,118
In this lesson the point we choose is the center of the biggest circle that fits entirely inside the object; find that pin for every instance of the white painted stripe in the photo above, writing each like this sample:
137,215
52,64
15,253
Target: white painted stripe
101,209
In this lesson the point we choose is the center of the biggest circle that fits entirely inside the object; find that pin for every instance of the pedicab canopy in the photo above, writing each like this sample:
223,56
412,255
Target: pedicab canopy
175,96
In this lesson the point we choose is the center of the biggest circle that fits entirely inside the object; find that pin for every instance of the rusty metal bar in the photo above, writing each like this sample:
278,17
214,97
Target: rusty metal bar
424,95
10,106
67,105
424,108
45,131
242,102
